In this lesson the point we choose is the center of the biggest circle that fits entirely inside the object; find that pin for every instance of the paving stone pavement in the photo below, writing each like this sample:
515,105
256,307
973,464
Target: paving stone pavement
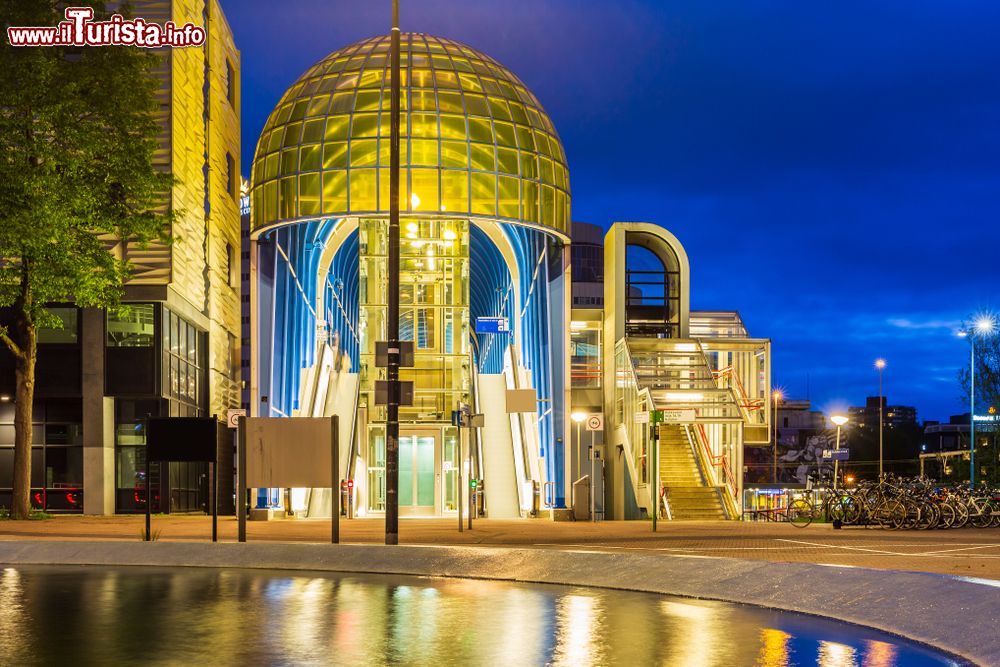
966,552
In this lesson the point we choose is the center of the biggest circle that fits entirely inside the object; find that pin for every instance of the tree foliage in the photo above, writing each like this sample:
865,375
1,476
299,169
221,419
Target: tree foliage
78,134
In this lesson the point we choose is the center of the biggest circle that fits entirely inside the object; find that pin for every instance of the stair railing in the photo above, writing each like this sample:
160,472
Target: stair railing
720,467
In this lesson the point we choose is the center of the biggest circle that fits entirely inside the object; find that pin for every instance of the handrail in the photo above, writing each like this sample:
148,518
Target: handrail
718,460
750,405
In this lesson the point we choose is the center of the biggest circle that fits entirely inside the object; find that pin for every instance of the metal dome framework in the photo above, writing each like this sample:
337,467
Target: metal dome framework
475,140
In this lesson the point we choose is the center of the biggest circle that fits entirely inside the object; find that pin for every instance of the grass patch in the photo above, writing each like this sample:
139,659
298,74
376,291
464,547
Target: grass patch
34,515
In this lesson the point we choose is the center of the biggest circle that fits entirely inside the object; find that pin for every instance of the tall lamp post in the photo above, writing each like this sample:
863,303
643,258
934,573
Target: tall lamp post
839,420
392,298
774,445
983,326
578,418
880,365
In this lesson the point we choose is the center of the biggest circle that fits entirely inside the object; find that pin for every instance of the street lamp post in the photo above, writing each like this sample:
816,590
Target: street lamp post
839,420
984,326
880,365
578,418
774,445
392,297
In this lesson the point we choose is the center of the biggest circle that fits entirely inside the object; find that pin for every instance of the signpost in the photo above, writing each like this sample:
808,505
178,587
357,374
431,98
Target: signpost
492,325
595,423
184,439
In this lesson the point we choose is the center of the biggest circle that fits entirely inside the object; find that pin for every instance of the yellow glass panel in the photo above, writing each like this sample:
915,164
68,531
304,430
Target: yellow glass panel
341,103
424,152
454,191
518,113
271,201
309,159
313,130
309,194
422,78
364,125
484,193
470,83
548,205
545,170
481,156
499,109
423,125
289,160
423,100
560,210
505,133
450,102
334,154
481,130
452,127
363,189
299,110
337,127
508,196
318,105
364,153
287,200
529,165
446,79
293,135
529,201
424,184
371,78
367,100
542,143
455,154
274,142
335,191
271,166
477,105
384,176
385,128
507,160
385,152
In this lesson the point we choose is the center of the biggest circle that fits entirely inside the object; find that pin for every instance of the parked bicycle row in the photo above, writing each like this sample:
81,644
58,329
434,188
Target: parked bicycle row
897,503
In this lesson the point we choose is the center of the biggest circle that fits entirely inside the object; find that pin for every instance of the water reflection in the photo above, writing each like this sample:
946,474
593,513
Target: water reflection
117,616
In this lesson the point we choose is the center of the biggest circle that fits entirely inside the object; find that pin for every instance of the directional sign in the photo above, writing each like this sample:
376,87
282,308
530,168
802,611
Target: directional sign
642,418
842,454
679,416
595,422
492,325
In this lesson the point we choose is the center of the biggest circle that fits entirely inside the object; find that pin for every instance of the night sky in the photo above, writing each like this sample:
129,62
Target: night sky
832,168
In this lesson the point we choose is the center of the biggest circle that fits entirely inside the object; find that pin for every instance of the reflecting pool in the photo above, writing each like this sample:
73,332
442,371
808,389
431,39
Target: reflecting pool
112,616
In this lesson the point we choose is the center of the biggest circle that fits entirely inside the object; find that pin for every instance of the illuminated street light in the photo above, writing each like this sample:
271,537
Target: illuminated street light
880,365
774,445
839,420
984,326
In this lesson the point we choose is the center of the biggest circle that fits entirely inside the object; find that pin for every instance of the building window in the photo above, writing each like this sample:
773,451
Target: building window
230,266
67,334
230,175
230,84
132,327
182,364
585,360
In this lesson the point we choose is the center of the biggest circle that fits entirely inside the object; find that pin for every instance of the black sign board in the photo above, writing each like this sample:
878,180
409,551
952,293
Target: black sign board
190,439
185,439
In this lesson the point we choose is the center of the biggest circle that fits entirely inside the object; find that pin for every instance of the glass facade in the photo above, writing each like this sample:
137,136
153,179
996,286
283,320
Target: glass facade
475,140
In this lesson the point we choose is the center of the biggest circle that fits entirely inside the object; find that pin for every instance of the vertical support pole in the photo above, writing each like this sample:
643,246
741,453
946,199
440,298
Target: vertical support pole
392,300
592,485
241,477
149,487
881,401
972,410
461,464
335,477
214,494
655,458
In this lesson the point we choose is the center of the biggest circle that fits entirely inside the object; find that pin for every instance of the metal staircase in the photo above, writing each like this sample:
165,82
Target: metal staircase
690,496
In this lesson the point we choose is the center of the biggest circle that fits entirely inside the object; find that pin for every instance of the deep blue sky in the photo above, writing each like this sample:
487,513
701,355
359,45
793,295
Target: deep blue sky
833,168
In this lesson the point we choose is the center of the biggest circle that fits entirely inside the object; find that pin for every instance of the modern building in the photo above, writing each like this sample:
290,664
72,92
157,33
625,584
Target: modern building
176,351
485,293
867,417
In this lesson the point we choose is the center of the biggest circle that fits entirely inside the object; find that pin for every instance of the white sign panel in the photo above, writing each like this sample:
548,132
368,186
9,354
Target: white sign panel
522,400
232,417
679,416
642,418
595,422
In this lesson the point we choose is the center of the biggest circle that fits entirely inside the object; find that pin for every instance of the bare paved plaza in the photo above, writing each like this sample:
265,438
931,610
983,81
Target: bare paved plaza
966,552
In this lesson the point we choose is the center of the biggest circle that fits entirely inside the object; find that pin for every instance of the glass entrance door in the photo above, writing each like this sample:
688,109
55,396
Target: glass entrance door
417,473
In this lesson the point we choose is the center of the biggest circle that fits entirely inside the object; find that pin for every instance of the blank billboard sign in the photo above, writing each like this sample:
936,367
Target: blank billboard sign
284,453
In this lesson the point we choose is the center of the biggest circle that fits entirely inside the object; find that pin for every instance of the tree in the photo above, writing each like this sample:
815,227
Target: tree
77,138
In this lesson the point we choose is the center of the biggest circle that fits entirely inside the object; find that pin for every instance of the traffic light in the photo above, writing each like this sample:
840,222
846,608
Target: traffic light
473,483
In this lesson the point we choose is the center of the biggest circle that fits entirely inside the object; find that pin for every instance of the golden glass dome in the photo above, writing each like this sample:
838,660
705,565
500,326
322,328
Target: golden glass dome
474,140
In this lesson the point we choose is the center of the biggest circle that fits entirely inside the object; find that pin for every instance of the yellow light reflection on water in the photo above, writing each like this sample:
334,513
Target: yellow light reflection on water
774,650
879,654
577,621
835,654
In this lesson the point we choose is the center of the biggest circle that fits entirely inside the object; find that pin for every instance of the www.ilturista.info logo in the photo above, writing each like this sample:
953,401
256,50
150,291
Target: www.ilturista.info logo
79,30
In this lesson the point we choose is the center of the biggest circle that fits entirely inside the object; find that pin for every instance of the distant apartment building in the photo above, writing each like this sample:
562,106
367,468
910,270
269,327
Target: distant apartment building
892,415
176,352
